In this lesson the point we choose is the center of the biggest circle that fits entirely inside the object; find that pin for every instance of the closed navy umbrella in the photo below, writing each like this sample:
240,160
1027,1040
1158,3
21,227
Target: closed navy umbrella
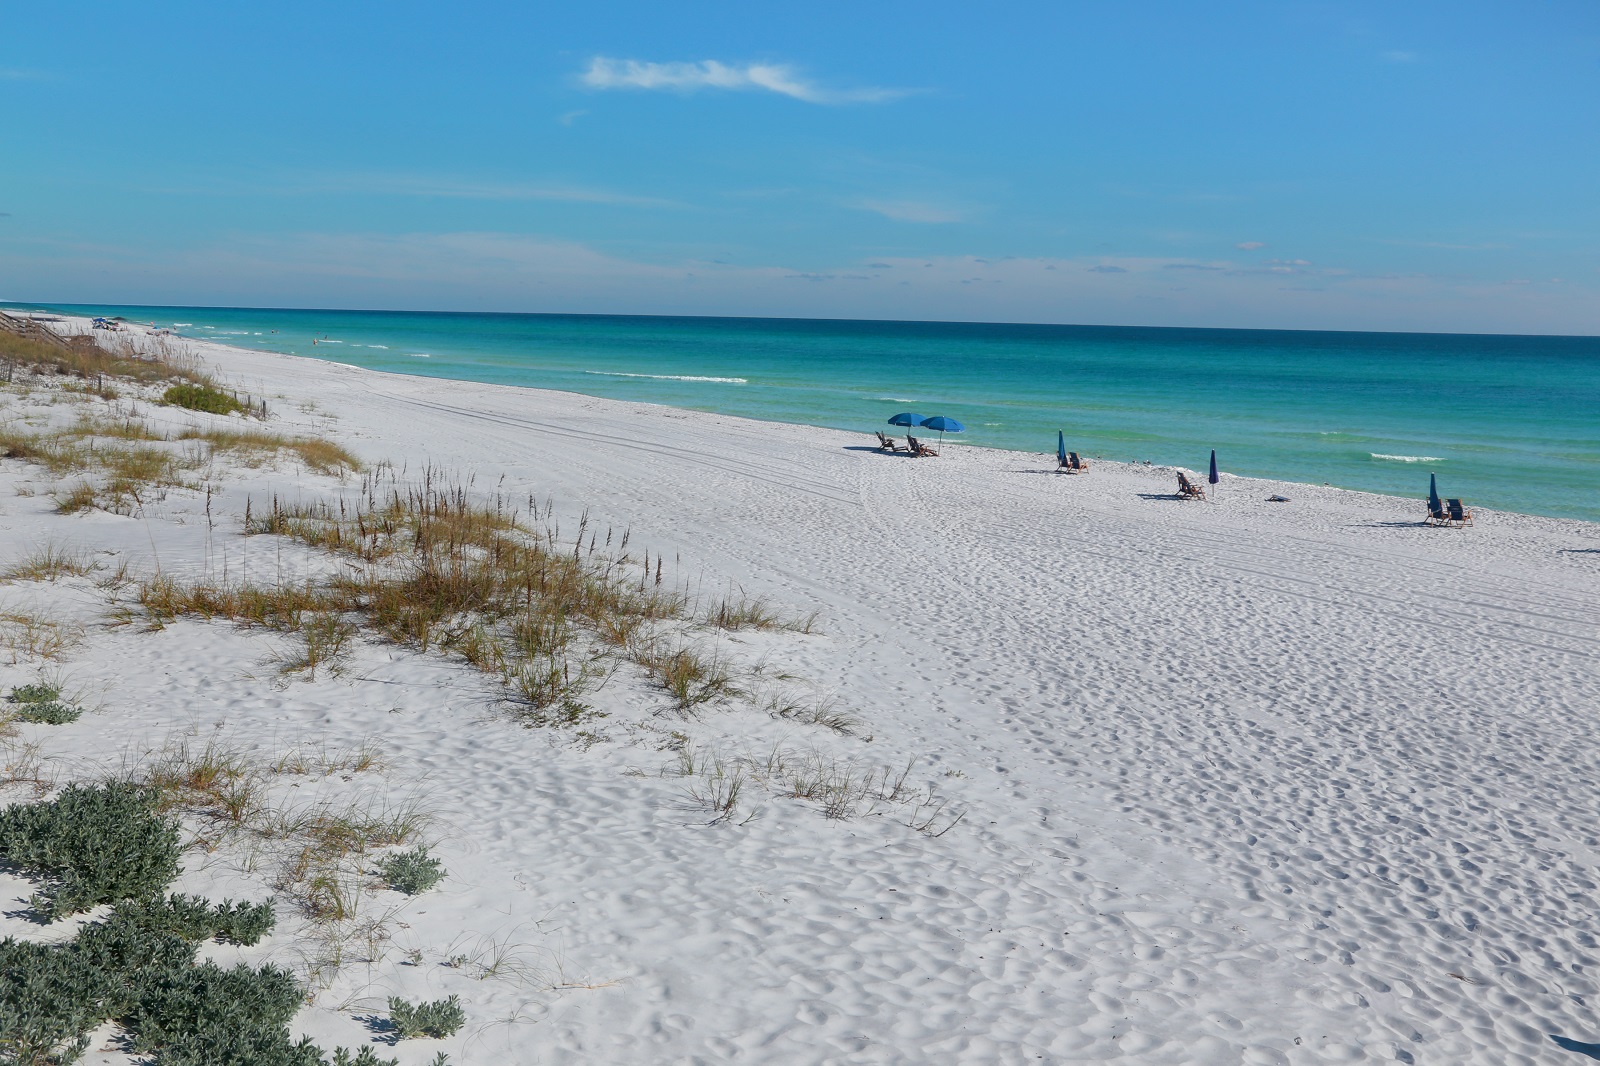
1213,466
1061,449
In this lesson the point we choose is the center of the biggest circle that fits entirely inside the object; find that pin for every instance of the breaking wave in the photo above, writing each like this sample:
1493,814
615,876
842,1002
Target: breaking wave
1408,458
668,377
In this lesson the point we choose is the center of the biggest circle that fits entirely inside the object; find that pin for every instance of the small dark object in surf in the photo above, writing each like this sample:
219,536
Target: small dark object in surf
1277,499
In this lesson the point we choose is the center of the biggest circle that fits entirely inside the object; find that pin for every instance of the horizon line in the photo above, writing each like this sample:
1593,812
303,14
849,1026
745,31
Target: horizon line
44,305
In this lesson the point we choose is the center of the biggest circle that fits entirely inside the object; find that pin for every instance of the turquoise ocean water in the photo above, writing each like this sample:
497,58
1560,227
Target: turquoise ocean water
1506,422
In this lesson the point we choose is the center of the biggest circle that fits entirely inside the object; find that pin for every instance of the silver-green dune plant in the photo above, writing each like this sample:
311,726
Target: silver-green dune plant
42,703
411,872
440,1018
112,843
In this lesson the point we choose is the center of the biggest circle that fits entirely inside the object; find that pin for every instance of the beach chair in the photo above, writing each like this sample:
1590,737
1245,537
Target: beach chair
1077,464
918,448
1188,490
1459,515
887,443
1437,515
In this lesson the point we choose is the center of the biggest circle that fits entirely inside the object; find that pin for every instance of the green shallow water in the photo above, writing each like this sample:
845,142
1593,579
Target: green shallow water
1505,422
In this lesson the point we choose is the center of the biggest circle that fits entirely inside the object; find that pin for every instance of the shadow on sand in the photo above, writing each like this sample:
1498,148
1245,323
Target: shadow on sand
1591,1050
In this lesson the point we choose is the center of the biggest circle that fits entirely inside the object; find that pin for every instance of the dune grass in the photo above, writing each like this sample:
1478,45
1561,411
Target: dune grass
438,569
122,464
88,360
50,562
434,567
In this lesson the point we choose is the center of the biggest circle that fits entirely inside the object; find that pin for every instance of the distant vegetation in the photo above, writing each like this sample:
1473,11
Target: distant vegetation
84,358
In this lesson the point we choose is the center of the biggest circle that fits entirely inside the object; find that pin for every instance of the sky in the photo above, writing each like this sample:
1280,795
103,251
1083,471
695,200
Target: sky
1366,165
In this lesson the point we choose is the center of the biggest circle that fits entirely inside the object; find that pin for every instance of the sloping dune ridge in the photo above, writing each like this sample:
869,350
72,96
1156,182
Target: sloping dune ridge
1207,782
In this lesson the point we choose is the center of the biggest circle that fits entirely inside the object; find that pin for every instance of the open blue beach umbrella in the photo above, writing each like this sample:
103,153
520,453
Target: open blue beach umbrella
943,425
1061,448
907,419
1433,493
1213,466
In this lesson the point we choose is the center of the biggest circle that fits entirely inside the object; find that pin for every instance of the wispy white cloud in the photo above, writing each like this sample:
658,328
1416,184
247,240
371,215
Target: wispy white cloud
780,78
914,211
1250,246
13,74
1398,56
571,116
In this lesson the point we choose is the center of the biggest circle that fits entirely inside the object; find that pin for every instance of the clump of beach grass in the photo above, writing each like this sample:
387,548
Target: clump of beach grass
436,568
50,562
692,676
28,635
121,465
87,360
839,789
740,611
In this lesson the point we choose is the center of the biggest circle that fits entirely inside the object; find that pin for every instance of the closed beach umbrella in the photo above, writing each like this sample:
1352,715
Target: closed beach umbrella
1061,448
943,425
1433,493
1213,466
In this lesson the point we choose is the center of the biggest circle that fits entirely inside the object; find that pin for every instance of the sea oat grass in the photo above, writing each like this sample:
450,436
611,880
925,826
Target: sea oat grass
50,562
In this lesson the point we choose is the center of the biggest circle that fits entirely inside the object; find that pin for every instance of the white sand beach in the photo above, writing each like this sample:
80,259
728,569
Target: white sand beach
1236,781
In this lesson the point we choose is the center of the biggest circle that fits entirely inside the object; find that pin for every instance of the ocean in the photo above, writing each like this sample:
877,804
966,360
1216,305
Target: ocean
1507,422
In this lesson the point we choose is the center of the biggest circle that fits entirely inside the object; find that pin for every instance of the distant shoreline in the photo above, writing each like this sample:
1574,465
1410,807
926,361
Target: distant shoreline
1310,409
1403,505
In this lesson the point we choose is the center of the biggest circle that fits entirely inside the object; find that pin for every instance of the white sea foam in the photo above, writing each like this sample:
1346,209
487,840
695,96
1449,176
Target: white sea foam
420,355
1408,458
324,340
385,347
668,377
177,324
896,399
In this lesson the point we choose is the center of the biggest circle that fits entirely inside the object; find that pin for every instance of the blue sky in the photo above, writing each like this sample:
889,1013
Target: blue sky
1426,166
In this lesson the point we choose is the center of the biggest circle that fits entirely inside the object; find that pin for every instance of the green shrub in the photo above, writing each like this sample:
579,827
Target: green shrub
195,919
50,998
223,1046
201,398
42,703
134,958
198,1002
440,1018
137,966
96,844
49,713
411,871
40,693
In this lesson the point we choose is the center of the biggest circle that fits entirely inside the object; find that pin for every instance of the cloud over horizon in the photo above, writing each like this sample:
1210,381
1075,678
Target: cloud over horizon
781,78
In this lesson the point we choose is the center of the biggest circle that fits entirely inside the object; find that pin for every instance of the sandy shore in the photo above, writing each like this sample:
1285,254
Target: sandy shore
1242,782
